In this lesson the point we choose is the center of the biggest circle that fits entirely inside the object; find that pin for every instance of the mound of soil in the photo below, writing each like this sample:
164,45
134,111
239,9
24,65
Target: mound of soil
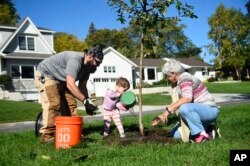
156,135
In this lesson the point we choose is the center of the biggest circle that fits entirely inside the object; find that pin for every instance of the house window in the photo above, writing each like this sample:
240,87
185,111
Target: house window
26,43
22,43
27,71
109,69
105,69
204,71
151,74
31,43
15,72
18,71
113,69
112,79
105,80
97,80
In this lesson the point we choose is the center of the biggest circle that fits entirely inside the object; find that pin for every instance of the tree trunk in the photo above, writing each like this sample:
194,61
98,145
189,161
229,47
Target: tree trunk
140,89
238,73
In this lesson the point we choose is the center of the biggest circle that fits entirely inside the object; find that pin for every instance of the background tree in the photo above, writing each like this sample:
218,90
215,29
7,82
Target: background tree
64,41
92,28
170,42
189,52
229,30
8,13
247,68
147,15
118,39
248,7
176,43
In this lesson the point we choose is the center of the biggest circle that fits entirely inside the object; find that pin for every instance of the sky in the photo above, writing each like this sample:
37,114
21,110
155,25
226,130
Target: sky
75,16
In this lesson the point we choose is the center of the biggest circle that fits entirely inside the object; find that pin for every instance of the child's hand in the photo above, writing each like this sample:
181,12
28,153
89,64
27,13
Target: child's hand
118,94
120,106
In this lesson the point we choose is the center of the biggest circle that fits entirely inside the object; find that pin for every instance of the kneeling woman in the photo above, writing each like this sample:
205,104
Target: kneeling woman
195,104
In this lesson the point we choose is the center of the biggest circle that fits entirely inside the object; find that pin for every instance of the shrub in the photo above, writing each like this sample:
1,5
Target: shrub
162,82
211,79
5,79
144,85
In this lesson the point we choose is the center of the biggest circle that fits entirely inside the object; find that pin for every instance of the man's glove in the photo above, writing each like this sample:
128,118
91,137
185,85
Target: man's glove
90,107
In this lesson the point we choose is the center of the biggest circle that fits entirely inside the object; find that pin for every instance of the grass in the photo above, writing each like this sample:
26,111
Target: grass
16,111
156,99
23,148
238,87
12,111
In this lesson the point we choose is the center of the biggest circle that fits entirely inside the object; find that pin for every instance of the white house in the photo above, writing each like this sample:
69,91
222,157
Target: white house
114,65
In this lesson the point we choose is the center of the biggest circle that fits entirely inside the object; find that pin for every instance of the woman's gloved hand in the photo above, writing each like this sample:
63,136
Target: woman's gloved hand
159,119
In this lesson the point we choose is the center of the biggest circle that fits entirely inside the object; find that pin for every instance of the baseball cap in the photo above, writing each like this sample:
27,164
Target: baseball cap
96,51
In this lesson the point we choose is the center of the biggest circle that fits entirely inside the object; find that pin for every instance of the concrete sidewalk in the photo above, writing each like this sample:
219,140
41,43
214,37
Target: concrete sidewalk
221,99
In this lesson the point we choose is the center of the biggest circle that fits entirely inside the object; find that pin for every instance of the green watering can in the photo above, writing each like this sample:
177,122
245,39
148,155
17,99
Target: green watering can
128,98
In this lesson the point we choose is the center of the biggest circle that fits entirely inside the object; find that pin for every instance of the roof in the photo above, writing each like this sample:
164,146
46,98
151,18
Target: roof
5,26
193,62
108,49
148,62
27,55
186,62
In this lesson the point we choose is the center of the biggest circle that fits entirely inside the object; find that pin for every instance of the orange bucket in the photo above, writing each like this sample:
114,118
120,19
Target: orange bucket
68,131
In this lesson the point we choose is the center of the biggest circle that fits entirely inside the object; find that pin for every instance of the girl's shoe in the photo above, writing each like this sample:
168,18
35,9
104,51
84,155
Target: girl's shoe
122,135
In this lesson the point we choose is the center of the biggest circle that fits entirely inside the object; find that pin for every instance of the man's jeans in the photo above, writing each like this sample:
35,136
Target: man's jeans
196,116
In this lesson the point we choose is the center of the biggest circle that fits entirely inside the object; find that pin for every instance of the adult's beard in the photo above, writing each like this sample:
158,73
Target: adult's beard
92,69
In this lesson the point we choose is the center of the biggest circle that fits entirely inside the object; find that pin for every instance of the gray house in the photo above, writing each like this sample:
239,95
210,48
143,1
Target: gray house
22,47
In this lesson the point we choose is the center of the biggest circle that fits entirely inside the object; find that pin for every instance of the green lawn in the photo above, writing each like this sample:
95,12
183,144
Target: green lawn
238,87
12,111
16,111
23,148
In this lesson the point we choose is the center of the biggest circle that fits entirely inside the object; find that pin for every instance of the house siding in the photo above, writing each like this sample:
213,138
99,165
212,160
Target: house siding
49,38
5,34
122,69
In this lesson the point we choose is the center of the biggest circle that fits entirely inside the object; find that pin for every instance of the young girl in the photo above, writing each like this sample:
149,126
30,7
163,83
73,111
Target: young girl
112,106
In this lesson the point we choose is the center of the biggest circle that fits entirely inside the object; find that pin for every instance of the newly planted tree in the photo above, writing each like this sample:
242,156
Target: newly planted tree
150,16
